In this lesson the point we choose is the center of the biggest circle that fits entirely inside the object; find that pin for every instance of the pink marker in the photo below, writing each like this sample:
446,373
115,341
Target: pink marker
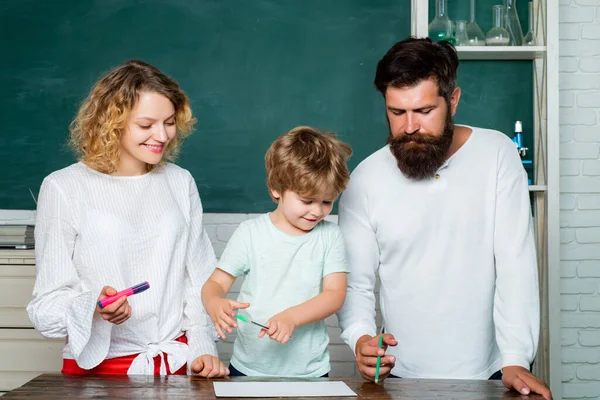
127,292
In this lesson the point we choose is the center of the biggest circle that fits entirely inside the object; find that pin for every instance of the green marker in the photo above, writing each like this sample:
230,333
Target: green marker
380,345
241,317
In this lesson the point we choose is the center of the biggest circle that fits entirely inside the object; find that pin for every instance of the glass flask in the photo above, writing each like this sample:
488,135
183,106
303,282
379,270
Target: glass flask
474,32
441,26
461,38
512,24
529,39
497,36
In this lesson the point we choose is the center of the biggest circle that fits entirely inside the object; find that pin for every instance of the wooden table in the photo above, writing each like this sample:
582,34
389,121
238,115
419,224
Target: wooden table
57,386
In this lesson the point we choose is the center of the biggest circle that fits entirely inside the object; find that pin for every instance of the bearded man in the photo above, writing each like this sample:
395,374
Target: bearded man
441,216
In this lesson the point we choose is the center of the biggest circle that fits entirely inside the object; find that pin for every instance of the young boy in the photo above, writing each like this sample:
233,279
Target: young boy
293,261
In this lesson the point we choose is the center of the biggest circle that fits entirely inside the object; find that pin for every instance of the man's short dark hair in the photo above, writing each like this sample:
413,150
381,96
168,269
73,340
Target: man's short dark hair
413,60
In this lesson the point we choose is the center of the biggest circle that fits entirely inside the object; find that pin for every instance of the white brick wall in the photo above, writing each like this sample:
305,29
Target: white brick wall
580,205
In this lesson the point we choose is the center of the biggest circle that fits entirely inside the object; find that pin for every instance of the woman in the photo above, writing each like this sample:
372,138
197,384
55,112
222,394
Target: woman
119,217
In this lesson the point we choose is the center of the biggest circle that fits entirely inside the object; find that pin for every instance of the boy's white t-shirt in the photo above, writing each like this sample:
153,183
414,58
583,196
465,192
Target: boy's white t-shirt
281,271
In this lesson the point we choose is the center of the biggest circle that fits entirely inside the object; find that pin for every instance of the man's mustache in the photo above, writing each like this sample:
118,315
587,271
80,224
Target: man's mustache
418,138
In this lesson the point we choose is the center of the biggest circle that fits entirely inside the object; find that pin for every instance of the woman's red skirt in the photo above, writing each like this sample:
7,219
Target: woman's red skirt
119,365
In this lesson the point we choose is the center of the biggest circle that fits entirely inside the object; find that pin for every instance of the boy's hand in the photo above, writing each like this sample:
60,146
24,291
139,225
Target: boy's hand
222,313
281,327
117,312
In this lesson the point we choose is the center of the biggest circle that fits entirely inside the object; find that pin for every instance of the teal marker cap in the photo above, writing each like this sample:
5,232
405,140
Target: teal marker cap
241,317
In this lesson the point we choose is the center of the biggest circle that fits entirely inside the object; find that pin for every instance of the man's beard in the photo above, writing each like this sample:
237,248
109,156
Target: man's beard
420,156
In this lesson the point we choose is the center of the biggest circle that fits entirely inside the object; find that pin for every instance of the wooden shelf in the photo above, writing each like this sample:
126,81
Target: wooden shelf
500,52
537,188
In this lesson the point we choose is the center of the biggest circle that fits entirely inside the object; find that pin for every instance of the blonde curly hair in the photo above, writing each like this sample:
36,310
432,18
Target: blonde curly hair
97,129
308,162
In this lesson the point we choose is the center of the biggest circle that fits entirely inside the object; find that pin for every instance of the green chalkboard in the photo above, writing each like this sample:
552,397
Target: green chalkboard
252,69
495,94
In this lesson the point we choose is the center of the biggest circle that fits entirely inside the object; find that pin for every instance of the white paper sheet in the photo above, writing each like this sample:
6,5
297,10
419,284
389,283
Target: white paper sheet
282,389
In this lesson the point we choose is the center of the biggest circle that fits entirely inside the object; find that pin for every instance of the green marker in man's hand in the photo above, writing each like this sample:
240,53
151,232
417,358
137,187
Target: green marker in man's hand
380,345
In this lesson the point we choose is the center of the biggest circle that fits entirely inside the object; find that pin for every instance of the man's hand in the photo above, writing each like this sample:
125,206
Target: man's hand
117,312
520,379
366,356
208,366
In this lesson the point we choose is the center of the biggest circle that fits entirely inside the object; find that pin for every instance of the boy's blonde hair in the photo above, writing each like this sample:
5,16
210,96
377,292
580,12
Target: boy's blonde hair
97,129
309,163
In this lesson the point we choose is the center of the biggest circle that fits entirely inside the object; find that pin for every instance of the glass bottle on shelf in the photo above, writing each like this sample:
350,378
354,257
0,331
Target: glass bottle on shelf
474,32
497,36
461,38
529,39
441,26
512,24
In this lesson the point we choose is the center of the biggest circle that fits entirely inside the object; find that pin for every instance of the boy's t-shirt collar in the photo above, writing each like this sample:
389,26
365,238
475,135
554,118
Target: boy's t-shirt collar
290,238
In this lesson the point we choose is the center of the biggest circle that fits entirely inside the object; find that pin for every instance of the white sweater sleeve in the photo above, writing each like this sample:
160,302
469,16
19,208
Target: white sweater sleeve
516,299
61,306
357,316
200,263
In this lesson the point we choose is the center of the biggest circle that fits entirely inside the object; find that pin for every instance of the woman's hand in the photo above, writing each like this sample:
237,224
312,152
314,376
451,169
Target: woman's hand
117,312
